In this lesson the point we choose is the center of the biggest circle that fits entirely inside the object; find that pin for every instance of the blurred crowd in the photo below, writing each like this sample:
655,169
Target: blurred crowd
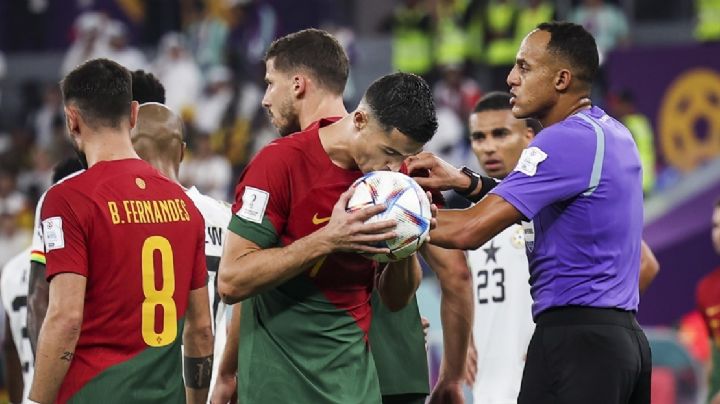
208,55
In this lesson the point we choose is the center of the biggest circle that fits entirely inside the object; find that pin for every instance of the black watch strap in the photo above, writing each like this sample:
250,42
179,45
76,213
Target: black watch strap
474,180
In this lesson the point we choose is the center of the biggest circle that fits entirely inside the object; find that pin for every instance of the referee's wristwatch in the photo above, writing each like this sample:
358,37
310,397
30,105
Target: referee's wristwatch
474,180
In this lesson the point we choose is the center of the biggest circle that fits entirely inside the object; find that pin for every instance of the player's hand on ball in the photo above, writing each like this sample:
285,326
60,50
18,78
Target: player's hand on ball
442,175
347,231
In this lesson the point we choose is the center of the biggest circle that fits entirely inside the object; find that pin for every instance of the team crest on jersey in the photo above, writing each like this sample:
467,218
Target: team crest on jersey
529,235
517,239
254,203
53,235
529,160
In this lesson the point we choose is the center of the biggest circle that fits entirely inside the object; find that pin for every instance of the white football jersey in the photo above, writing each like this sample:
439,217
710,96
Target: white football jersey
503,322
14,293
217,216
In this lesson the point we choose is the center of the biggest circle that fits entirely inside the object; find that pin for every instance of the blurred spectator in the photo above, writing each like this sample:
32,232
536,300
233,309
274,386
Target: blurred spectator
411,27
450,37
499,22
535,13
35,181
707,16
475,37
448,142
207,35
346,37
89,41
708,303
208,171
456,91
12,201
161,16
178,72
119,50
254,26
606,22
3,70
13,238
60,146
51,109
622,106
213,104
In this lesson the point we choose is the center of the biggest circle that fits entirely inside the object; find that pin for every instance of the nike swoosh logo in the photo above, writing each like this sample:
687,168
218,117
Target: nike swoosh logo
317,220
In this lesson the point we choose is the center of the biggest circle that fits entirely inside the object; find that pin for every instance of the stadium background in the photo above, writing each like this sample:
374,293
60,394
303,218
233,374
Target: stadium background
660,56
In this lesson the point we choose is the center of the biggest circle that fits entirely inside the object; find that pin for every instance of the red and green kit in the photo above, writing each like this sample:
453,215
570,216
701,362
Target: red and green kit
140,243
305,340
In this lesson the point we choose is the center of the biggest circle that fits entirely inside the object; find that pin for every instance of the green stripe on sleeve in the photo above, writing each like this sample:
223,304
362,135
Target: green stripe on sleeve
263,234
599,155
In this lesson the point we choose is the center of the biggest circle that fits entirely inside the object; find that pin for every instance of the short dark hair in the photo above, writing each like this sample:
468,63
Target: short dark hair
313,50
101,89
499,100
147,88
65,168
576,45
403,101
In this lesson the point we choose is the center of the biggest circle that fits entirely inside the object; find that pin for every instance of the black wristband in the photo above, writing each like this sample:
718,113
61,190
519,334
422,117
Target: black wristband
198,371
474,180
487,185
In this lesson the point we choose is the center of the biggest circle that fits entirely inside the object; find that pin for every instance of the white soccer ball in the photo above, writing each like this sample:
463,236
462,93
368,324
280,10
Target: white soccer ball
406,203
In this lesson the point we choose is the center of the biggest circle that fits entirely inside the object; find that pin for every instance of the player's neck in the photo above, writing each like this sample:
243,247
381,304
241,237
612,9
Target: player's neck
108,145
326,106
565,108
336,139
166,168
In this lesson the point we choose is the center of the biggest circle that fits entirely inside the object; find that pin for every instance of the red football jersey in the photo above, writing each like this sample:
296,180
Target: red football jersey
708,303
139,241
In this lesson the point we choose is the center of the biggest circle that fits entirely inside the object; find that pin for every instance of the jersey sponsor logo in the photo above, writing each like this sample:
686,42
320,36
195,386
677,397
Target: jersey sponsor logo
529,160
53,235
144,212
254,203
319,220
140,183
529,234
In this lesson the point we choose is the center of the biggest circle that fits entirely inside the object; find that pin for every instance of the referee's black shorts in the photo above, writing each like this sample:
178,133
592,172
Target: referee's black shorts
584,355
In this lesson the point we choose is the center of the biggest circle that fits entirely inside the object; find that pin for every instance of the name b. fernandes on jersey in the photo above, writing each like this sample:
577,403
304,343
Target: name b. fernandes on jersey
148,211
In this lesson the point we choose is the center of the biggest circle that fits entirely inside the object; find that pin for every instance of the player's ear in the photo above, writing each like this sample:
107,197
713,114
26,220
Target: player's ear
562,79
134,110
182,151
299,85
72,120
360,119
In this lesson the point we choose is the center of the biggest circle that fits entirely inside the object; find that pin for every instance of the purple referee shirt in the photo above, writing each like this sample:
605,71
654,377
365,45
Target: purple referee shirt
580,183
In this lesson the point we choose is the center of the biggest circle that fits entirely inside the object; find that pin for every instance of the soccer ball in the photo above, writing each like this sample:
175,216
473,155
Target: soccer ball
406,203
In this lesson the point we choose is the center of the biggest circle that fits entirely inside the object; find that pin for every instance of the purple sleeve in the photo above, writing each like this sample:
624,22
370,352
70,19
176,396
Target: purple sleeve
556,166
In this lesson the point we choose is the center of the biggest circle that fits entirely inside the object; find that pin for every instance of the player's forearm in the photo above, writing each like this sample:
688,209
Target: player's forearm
456,307
56,348
398,282
468,229
197,362
243,276
229,361
38,294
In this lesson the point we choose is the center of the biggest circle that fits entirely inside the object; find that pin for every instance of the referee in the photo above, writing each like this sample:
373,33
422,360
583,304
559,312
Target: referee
579,186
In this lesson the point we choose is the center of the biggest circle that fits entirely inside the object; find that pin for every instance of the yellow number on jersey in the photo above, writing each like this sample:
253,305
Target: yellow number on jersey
162,297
